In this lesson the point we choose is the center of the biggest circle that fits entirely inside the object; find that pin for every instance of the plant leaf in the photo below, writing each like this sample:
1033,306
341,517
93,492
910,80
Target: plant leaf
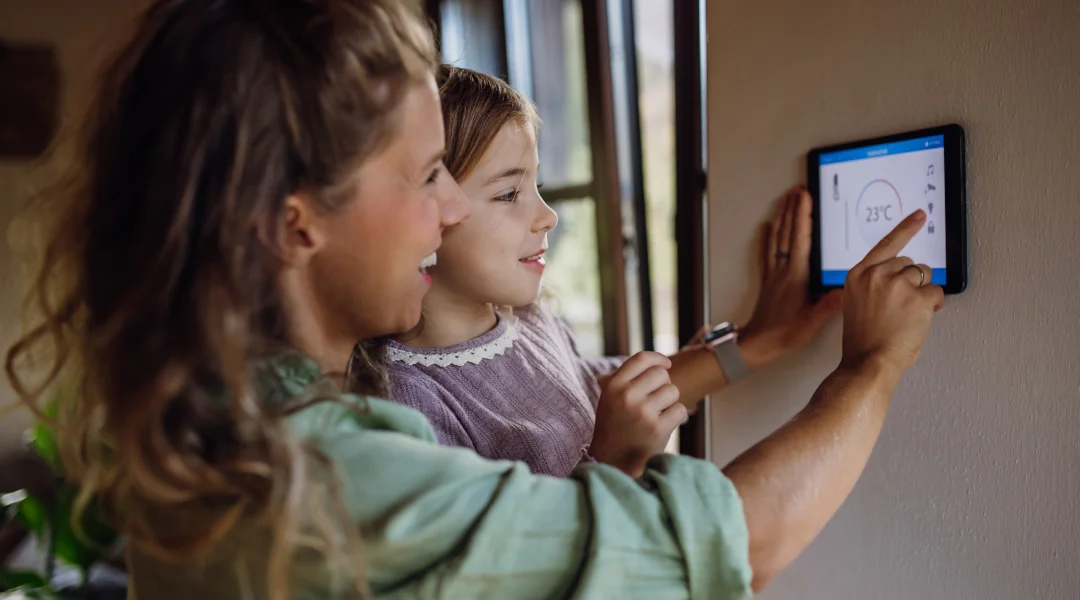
68,547
43,443
30,594
98,531
42,438
10,580
33,514
9,505
86,546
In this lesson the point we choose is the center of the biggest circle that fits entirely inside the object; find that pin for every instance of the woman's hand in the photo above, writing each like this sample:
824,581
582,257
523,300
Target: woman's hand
785,319
638,410
889,303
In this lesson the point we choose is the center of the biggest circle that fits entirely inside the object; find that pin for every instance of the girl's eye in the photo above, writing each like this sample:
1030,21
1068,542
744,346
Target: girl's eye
508,197
433,177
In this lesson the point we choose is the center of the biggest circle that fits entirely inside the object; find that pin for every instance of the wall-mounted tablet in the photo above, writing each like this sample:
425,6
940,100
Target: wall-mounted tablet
862,190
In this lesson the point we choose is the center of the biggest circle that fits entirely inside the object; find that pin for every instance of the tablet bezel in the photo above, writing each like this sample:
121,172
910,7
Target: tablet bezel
956,269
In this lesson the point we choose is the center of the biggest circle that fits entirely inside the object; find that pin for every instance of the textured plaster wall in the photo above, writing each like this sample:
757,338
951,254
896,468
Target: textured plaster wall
974,488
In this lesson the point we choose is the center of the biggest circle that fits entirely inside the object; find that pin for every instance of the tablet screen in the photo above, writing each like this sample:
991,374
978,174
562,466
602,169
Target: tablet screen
867,191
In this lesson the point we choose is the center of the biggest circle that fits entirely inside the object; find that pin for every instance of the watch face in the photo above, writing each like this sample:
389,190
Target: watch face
718,332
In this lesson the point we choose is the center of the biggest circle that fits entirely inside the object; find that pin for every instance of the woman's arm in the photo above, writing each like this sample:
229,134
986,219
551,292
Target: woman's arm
785,319
812,464
796,479
697,373
443,522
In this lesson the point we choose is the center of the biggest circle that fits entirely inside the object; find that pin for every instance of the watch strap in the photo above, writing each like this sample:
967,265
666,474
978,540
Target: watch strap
731,360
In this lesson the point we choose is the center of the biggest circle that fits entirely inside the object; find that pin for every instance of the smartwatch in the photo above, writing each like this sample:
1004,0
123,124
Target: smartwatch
722,340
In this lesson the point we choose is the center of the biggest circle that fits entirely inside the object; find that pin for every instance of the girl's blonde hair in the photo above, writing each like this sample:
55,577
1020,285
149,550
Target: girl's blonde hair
475,109
156,296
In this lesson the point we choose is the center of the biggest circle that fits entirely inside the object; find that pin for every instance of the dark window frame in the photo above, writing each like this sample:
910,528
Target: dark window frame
690,200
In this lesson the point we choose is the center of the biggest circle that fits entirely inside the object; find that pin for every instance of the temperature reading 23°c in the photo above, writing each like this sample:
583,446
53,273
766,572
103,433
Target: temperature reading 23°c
878,213
878,209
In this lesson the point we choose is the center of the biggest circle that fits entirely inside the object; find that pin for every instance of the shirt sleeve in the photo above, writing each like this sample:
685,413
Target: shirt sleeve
443,522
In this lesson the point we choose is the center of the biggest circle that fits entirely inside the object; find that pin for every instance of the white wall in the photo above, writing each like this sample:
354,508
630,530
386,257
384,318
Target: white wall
83,32
974,488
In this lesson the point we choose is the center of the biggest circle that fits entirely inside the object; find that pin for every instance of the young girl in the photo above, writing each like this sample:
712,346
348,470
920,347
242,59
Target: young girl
510,383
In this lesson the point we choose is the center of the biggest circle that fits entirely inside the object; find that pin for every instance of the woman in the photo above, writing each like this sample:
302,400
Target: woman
261,185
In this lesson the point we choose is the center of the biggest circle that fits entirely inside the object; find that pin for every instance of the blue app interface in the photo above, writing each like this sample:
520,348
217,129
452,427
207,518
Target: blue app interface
866,192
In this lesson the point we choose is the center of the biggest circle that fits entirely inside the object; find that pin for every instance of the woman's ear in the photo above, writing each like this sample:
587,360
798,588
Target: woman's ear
299,233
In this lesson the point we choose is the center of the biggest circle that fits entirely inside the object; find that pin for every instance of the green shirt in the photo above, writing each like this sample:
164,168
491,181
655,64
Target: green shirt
441,522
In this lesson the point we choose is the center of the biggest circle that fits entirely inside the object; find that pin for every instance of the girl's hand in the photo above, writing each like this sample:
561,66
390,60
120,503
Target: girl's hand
638,410
785,319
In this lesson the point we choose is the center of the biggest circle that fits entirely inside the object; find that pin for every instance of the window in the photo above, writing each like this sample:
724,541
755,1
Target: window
656,97
464,35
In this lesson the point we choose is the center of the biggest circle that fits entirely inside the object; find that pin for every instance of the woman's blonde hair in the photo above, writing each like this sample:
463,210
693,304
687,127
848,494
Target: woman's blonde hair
156,297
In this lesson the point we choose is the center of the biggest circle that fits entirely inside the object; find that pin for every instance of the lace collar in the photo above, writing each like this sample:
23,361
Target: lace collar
486,347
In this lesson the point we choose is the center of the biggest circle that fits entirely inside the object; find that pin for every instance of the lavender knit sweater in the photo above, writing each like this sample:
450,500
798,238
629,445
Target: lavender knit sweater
519,392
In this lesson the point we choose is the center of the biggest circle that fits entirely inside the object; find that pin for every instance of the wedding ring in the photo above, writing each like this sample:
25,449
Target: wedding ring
922,275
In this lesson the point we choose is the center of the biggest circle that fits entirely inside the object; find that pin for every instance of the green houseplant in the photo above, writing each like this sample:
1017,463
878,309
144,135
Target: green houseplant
66,536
